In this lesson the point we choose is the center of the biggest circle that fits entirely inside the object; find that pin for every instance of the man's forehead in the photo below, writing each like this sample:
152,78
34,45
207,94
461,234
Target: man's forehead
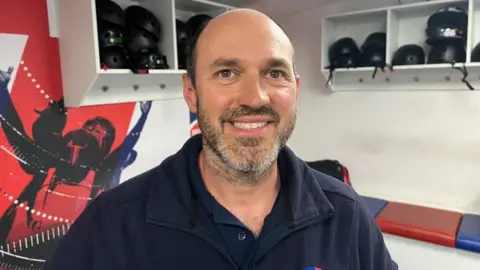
238,49
255,32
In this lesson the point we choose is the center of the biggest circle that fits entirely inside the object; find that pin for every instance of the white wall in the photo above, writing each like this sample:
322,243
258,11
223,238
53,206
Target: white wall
416,255
166,130
416,147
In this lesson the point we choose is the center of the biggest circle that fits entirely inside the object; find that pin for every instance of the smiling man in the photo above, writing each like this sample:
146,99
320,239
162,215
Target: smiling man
235,196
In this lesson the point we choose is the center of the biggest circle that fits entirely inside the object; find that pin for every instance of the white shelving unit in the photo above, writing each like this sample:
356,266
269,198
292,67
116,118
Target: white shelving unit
403,24
85,83
474,22
184,9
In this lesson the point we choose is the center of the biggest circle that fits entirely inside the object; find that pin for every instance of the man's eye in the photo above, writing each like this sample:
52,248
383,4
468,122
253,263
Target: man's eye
225,73
275,74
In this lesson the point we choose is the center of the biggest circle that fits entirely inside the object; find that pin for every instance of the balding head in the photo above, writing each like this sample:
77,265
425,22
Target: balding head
243,86
236,26
246,23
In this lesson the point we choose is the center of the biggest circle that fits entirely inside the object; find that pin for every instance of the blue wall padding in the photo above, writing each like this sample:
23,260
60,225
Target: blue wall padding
468,237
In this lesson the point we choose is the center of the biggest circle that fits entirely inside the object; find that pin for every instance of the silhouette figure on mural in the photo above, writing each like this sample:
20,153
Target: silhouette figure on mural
72,156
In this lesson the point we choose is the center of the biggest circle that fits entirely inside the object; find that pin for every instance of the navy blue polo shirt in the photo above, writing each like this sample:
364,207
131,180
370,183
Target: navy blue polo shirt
238,239
156,221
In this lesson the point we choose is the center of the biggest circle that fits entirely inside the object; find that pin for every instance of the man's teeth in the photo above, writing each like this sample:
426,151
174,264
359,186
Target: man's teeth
249,125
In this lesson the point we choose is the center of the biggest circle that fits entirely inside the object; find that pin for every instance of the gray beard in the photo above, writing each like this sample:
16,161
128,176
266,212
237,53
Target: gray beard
241,171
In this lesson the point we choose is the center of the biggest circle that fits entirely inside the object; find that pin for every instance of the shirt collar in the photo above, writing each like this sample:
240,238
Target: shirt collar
213,208
174,187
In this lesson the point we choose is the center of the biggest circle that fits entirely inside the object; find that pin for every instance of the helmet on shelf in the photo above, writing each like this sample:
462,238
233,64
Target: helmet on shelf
149,59
181,31
109,35
182,43
448,24
139,17
374,50
196,22
475,56
111,12
410,54
113,57
138,40
375,40
447,53
344,53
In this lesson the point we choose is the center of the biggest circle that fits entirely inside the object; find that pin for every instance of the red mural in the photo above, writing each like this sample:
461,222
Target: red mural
53,160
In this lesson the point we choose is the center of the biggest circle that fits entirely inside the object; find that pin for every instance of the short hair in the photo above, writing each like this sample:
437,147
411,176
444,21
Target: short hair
192,52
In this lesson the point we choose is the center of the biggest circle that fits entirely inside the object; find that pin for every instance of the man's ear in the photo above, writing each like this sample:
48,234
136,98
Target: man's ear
297,81
189,93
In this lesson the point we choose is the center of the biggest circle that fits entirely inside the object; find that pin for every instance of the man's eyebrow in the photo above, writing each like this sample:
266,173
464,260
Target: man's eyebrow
225,62
277,63
235,62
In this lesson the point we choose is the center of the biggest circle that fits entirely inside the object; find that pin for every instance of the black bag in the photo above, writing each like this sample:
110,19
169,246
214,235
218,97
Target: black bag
332,168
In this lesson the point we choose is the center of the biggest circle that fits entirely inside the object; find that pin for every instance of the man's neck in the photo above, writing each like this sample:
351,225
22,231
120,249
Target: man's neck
249,203
219,182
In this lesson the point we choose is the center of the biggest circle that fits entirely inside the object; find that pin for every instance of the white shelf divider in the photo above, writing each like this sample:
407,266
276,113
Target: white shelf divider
215,4
404,24
85,83
392,34
474,26
184,9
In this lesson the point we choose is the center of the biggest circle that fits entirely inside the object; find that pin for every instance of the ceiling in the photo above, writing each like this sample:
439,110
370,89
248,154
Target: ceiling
236,3
288,7
277,7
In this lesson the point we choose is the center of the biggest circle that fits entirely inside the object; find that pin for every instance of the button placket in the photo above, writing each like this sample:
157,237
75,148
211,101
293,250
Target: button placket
241,236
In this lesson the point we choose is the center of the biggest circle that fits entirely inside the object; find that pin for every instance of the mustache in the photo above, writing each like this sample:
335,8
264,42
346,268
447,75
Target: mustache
230,115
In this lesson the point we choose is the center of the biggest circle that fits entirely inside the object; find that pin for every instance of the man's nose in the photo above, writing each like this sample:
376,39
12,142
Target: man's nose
253,92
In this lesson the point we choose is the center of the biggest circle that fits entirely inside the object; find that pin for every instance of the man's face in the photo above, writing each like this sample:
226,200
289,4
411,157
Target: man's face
245,96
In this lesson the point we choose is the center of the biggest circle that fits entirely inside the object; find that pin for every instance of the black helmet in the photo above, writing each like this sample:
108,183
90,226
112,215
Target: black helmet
344,53
109,35
373,57
196,22
447,24
182,61
475,57
114,57
150,59
375,40
137,16
109,11
139,40
181,30
182,43
447,53
410,54
374,50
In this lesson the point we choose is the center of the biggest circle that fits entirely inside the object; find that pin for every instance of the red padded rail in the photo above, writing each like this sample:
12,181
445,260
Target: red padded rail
422,223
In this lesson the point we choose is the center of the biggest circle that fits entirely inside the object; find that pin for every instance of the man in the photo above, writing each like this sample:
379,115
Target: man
234,197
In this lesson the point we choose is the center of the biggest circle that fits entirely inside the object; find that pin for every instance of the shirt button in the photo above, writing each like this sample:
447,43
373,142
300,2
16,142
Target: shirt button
241,236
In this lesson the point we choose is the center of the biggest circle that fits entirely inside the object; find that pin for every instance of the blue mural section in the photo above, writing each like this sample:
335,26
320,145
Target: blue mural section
194,127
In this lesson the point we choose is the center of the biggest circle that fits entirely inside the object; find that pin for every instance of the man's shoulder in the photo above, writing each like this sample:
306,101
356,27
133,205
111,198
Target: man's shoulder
368,246
137,189
329,185
341,195
171,174
134,188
